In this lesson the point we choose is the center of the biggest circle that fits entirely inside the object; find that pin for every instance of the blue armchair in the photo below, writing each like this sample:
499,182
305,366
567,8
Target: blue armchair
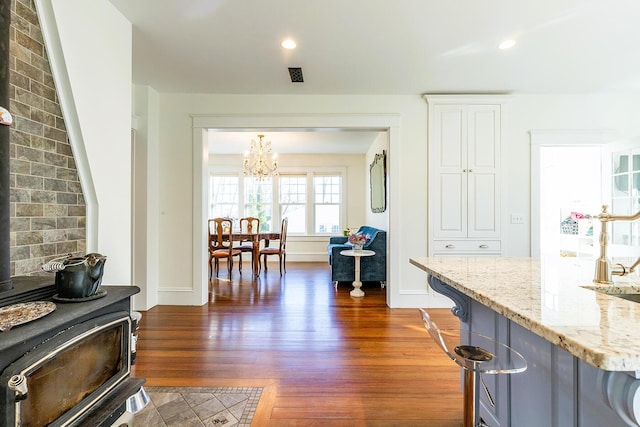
372,269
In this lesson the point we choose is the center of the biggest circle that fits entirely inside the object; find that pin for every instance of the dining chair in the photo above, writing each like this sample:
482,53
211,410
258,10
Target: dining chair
221,245
281,250
249,225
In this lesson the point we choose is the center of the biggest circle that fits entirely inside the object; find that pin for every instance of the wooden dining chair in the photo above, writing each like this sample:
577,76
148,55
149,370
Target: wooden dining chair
221,245
248,225
281,250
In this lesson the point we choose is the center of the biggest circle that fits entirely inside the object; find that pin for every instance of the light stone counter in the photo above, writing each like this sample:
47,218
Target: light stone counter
547,297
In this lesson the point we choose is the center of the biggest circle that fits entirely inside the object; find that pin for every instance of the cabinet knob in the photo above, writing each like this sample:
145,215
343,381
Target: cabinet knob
464,170
483,246
470,170
450,246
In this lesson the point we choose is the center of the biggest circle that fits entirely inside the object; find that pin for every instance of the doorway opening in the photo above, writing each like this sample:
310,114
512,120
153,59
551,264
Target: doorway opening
201,127
570,185
568,169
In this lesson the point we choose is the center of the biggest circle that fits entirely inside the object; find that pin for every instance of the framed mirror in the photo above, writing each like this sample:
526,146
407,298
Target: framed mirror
378,184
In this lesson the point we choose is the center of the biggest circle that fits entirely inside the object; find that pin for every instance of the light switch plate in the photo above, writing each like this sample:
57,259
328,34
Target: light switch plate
517,218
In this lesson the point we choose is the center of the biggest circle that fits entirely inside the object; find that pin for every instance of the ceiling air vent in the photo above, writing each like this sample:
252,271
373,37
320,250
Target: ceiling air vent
296,75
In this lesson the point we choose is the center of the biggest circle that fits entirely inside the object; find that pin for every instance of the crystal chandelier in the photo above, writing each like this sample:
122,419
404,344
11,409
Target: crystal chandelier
256,161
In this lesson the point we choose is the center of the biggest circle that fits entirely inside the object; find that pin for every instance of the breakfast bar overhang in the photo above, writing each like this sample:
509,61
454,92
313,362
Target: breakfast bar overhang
581,341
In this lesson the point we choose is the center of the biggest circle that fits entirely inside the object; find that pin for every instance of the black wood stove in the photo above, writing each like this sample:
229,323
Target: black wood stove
72,366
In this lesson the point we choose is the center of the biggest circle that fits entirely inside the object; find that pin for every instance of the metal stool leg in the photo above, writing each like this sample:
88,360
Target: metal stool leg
471,417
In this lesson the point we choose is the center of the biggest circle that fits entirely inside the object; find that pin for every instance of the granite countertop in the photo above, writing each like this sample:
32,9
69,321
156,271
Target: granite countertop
548,297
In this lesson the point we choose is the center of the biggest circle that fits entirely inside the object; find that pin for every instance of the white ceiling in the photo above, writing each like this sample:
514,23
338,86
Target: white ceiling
385,47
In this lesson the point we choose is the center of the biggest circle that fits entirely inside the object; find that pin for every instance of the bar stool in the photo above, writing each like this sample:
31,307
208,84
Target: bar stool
484,356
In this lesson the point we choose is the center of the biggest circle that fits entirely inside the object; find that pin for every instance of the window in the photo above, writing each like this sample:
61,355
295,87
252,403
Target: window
224,193
327,203
293,202
311,201
258,201
625,196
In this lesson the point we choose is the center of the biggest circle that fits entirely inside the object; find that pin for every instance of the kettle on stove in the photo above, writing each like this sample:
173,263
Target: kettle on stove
79,277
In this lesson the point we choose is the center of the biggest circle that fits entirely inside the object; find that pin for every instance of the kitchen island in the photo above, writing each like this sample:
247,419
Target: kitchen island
582,345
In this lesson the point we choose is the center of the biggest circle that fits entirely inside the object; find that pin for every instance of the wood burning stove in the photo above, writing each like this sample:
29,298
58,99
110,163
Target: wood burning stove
71,367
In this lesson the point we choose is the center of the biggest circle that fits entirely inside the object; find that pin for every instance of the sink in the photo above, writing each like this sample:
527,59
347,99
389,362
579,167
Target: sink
629,297
624,291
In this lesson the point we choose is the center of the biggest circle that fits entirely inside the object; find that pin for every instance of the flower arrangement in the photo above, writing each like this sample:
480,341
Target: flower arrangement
358,239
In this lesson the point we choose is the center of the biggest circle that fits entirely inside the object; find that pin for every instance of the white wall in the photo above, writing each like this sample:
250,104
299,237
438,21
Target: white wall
90,48
377,219
176,249
145,197
619,113
381,219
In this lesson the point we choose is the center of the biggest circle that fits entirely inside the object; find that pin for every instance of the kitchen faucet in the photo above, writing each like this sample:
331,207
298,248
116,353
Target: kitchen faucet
604,269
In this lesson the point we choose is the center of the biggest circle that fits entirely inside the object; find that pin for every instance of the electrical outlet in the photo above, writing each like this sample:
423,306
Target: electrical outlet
517,218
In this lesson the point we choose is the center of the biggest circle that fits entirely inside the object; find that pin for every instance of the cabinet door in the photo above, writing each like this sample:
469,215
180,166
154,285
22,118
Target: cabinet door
448,188
483,164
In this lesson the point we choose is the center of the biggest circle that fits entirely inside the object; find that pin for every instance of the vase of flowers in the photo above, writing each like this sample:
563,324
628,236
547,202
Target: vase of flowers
358,240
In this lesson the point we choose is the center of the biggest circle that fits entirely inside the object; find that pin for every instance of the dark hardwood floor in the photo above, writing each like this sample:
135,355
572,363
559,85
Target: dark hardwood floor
324,358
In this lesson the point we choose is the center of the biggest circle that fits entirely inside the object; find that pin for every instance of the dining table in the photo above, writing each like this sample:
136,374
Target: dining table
255,239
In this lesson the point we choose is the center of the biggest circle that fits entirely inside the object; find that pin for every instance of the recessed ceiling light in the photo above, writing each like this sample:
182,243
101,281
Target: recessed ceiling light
507,44
288,44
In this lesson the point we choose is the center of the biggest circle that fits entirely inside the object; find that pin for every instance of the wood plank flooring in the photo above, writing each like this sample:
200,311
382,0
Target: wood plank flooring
324,358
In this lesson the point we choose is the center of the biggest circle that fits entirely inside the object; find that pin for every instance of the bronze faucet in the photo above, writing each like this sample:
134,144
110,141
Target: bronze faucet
604,269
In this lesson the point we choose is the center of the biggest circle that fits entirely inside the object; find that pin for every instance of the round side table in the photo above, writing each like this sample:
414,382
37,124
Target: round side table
357,284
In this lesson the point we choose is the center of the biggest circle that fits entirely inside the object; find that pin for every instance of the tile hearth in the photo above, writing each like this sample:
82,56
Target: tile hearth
200,406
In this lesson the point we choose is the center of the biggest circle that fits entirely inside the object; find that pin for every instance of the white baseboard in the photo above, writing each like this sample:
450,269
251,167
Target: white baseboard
177,297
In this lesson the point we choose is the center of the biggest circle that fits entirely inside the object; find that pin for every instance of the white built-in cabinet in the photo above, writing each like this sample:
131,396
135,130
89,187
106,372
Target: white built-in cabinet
464,174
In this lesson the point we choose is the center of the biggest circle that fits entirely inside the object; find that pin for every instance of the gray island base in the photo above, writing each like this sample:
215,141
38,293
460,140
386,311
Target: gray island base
581,344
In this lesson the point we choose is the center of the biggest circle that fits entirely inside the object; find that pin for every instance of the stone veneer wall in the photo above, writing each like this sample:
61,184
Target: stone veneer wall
47,205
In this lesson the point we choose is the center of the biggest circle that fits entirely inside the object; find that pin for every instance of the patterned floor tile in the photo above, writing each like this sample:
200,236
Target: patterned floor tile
199,406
